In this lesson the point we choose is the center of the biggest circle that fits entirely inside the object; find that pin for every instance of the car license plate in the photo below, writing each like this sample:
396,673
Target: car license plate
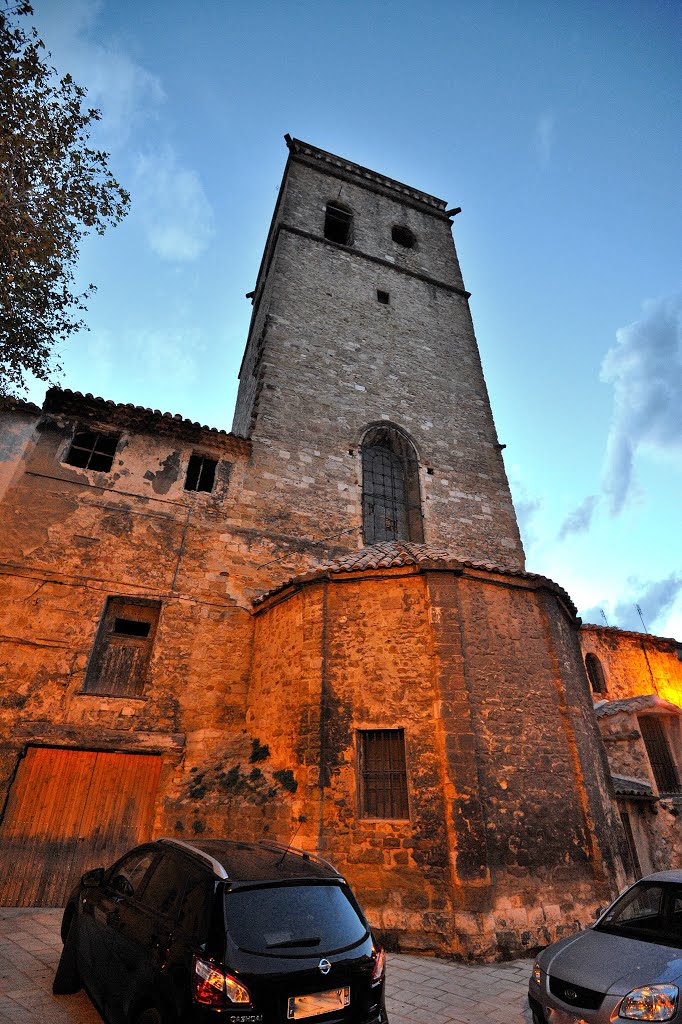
318,1002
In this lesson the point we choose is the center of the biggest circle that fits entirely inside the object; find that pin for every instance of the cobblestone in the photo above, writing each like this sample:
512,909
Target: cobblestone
420,990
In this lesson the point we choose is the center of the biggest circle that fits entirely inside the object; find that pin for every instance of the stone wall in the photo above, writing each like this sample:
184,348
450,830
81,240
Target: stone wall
326,360
511,838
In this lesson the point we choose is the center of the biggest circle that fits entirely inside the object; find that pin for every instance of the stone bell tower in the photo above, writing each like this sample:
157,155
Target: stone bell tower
361,387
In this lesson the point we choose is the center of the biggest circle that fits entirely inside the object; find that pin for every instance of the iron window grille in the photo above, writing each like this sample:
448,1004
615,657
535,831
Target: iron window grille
92,449
660,758
119,664
338,224
391,505
383,774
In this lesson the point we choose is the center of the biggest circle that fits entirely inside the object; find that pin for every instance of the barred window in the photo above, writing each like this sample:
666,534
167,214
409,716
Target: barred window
660,758
595,673
383,774
120,659
338,224
391,505
92,449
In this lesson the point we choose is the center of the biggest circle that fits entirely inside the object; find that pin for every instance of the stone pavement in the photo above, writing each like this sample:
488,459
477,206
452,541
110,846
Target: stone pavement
420,990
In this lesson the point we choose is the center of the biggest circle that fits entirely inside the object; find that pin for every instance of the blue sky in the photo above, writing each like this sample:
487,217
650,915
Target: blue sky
555,126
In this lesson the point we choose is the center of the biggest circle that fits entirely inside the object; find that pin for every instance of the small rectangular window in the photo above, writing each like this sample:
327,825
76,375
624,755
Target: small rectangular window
200,473
383,773
120,659
383,297
92,449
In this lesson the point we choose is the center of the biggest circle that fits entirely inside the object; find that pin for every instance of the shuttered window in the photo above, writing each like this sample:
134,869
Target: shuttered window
660,758
120,660
383,774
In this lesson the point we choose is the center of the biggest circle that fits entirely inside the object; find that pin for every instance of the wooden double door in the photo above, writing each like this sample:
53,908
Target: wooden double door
69,811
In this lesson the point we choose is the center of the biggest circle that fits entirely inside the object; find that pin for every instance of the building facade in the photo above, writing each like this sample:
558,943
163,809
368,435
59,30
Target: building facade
318,627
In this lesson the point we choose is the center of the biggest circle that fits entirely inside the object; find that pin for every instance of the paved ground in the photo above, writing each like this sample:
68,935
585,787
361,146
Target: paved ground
421,990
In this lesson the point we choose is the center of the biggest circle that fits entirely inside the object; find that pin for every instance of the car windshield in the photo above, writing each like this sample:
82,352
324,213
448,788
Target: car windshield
650,911
293,920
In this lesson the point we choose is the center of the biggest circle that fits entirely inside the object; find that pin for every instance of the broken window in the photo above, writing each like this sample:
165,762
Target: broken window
660,758
595,673
403,236
383,297
92,449
383,774
200,473
120,659
338,224
391,505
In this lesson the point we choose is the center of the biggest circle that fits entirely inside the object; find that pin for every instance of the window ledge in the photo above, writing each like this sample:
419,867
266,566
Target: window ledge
109,696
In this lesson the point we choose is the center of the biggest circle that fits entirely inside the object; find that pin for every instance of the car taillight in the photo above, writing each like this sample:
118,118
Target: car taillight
379,966
213,987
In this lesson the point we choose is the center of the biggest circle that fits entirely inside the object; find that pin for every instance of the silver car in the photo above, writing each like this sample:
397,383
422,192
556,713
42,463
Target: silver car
627,966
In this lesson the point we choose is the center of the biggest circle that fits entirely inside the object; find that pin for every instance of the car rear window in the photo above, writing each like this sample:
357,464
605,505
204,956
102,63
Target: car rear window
293,920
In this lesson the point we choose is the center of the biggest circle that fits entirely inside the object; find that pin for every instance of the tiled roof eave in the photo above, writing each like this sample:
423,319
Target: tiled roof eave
389,555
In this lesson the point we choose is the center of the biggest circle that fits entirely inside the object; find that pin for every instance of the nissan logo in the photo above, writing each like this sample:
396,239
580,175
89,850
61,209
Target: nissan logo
570,993
325,966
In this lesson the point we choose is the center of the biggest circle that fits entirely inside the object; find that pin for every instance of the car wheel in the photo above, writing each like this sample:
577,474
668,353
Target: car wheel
67,979
149,1016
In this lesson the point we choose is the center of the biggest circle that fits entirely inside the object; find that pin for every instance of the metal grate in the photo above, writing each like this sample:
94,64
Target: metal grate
383,773
662,764
338,224
575,995
385,505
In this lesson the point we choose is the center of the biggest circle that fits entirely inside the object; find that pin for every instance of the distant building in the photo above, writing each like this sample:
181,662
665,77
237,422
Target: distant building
320,626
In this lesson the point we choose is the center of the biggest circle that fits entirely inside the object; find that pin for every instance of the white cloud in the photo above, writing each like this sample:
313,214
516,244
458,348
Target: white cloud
543,138
177,215
165,355
659,600
122,88
645,368
579,520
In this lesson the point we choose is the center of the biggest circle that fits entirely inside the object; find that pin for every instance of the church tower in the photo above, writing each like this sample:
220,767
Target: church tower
361,386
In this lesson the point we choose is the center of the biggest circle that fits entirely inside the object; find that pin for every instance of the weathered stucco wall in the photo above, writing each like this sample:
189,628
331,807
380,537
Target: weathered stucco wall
635,663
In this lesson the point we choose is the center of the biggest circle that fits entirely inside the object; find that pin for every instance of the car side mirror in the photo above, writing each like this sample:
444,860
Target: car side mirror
91,879
121,886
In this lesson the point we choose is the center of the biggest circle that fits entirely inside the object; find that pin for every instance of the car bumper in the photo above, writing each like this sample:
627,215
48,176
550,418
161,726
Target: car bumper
554,1011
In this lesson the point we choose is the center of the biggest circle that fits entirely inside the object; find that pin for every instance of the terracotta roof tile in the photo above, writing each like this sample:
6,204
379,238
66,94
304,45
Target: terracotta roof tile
631,705
625,786
630,632
395,554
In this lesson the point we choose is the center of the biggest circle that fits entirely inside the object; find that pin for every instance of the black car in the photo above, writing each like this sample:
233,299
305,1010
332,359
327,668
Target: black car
221,932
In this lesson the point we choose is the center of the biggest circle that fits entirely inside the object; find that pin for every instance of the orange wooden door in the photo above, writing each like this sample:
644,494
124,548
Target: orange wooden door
68,811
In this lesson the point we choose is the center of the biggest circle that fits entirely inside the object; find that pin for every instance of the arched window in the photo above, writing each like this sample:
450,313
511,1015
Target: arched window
338,224
595,673
391,505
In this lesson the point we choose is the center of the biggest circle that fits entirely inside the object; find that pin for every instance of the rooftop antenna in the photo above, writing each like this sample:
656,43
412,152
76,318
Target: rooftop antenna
641,619
301,819
604,616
